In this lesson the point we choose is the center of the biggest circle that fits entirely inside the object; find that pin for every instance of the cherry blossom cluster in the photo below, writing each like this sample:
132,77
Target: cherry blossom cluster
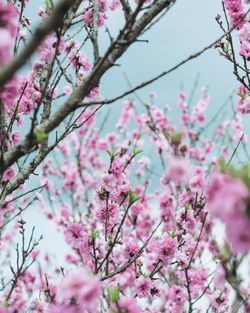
107,219
136,201
240,18
236,11
233,210
8,29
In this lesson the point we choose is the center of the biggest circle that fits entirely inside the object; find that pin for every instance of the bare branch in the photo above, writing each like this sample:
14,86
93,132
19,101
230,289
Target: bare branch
95,31
235,150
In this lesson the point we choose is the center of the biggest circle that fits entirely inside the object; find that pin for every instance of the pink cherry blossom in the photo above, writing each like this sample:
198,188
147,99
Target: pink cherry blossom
75,235
245,50
129,304
232,211
179,170
143,287
166,249
85,289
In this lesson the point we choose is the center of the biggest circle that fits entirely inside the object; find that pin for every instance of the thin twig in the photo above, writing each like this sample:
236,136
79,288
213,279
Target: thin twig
235,150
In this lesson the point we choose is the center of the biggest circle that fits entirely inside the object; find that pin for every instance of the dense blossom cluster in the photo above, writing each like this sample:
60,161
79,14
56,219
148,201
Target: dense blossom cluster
233,210
136,201
236,11
108,219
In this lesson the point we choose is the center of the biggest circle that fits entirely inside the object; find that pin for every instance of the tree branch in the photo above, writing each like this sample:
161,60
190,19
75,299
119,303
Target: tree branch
95,31
51,23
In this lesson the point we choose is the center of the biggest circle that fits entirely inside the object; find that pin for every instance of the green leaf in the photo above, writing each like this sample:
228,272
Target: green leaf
226,251
241,94
135,152
138,198
109,153
173,233
114,293
176,138
94,233
166,134
138,151
187,206
132,198
41,135
107,247
222,54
